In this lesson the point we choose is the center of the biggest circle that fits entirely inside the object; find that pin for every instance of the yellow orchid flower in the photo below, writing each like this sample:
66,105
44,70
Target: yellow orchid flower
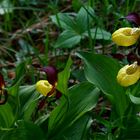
128,75
126,36
44,87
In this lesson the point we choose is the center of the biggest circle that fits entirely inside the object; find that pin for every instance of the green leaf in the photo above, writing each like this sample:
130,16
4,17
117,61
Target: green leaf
102,71
67,39
99,34
13,90
131,130
79,75
28,101
63,20
20,71
57,116
24,100
134,93
5,7
63,77
135,100
99,136
81,99
135,89
84,18
79,130
6,116
23,131
76,4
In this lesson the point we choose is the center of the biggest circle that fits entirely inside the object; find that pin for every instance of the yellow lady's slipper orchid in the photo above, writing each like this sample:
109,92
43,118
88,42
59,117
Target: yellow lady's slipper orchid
43,87
126,36
128,75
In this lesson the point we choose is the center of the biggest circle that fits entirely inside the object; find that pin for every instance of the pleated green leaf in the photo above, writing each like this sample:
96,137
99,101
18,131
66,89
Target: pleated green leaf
79,130
131,131
6,116
81,99
102,71
63,77
67,39
28,98
23,131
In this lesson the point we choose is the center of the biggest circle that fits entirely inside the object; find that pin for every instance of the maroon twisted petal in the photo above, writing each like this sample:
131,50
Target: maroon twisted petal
134,18
51,72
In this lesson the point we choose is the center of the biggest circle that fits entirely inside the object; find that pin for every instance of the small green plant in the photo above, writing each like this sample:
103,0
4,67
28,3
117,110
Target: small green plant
77,27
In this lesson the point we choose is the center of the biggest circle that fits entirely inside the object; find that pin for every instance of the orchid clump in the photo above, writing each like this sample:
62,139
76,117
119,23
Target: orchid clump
127,36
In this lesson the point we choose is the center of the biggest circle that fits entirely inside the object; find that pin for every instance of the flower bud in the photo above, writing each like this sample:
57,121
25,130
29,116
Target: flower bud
126,36
128,75
43,87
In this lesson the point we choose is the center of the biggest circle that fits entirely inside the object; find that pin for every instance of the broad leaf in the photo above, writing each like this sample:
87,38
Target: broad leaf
135,100
134,93
102,71
79,130
99,34
23,131
28,101
83,18
63,20
131,131
6,116
21,69
135,89
67,39
81,99
63,77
